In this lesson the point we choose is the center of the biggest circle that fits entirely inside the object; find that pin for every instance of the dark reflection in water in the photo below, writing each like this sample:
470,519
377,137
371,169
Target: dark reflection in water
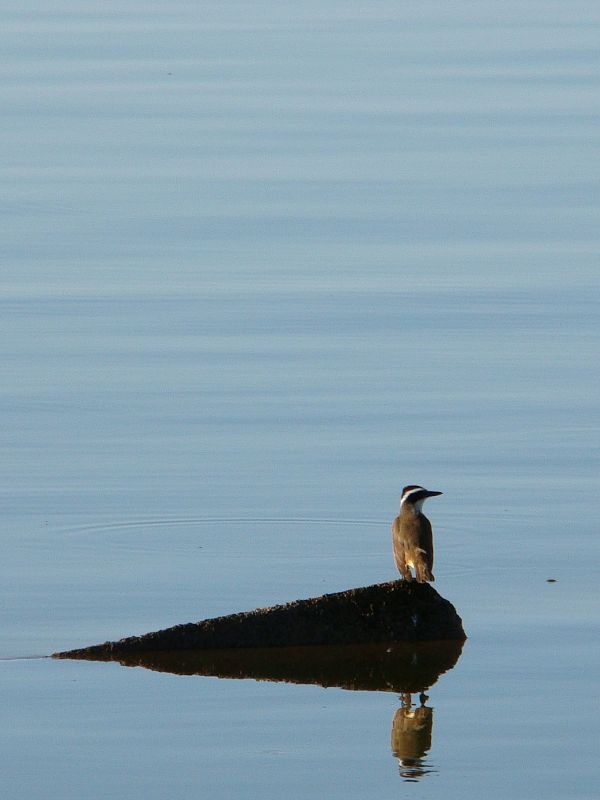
405,668
411,737
400,667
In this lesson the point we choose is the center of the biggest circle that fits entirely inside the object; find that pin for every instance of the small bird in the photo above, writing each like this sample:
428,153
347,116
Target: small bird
412,537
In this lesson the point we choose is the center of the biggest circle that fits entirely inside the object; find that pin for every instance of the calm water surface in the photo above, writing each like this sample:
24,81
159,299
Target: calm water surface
262,266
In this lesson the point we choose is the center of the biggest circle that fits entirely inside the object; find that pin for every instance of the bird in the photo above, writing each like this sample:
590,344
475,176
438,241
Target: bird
412,537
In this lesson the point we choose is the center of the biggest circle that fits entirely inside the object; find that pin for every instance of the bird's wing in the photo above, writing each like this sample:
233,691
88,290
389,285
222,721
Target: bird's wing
426,543
398,546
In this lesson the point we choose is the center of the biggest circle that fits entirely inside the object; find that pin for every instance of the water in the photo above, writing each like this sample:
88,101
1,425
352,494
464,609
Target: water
262,266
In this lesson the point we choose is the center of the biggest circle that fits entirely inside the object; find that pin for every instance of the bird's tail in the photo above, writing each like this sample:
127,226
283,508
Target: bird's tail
422,570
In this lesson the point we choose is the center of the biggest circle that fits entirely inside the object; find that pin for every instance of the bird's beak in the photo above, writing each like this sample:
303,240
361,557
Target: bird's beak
433,494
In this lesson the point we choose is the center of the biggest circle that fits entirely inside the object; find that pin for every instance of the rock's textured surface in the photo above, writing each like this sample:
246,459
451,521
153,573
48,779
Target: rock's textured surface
398,611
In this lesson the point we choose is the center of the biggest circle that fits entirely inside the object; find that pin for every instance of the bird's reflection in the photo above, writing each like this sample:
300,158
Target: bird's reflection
411,737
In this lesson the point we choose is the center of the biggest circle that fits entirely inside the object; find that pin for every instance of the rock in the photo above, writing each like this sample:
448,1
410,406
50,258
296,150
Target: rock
398,611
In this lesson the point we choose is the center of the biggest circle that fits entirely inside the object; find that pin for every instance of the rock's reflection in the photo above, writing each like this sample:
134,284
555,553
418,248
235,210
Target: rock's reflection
401,667
404,668
411,737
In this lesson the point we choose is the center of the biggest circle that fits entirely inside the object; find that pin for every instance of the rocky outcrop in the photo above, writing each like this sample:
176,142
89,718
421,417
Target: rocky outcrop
398,611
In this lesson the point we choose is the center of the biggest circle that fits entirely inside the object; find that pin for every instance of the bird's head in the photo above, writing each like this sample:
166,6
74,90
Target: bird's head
415,496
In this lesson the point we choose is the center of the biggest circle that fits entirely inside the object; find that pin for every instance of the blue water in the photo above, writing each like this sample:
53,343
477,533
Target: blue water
263,266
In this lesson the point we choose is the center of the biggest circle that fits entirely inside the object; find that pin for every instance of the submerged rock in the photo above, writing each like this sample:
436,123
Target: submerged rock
398,611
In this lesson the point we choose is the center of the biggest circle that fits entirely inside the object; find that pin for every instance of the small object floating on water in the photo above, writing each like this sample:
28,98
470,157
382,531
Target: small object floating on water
380,613
551,580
